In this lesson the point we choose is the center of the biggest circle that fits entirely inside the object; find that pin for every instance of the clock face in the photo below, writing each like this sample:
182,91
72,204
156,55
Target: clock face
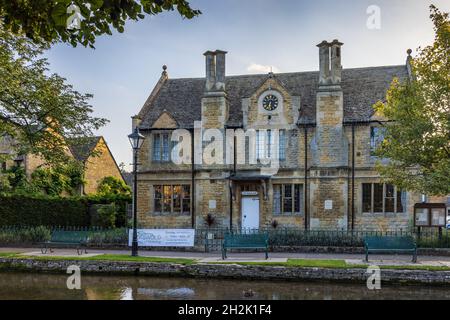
270,102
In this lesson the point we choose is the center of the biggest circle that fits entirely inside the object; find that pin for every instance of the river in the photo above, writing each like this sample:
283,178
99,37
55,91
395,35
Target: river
93,287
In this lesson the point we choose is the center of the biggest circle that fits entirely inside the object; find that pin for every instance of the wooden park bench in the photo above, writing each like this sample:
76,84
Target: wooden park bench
245,241
400,244
76,239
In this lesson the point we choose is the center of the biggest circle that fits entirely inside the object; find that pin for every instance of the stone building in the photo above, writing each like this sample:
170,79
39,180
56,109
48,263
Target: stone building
318,128
92,152
98,162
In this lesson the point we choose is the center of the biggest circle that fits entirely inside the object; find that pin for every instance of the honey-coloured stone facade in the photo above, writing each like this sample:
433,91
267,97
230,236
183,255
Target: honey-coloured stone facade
327,118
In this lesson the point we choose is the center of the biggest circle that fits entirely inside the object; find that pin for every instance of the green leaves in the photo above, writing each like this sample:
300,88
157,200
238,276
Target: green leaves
46,20
418,139
39,111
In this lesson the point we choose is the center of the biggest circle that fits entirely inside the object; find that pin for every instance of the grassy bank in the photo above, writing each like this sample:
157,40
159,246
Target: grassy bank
103,257
291,263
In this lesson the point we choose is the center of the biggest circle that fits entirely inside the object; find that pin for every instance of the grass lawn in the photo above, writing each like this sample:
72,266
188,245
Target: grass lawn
7,254
104,257
335,264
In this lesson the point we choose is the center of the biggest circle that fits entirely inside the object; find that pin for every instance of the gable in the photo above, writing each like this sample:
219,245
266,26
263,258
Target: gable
165,121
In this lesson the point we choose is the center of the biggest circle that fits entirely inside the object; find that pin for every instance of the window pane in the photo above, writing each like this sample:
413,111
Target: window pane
166,149
177,199
389,204
389,191
157,205
269,144
389,198
186,199
298,198
401,201
287,190
167,200
376,138
282,145
186,205
367,197
261,144
378,197
186,191
158,198
287,199
277,199
156,147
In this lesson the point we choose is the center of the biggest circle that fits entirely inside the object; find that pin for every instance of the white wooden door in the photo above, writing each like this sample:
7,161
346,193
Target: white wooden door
250,213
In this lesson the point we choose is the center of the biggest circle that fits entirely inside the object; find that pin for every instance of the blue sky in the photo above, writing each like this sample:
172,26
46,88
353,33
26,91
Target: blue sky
258,34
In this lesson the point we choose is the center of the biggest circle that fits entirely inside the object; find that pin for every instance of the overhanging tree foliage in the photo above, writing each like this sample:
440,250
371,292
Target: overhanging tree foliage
418,139
39,110
48,19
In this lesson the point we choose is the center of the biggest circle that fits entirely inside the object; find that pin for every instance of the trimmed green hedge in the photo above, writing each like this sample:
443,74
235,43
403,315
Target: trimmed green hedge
40,211
19,210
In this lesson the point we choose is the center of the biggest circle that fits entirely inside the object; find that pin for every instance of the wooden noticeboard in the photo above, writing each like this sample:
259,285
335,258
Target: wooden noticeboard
430,215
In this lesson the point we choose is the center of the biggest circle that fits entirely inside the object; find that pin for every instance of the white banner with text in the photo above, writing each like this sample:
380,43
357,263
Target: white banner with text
164,237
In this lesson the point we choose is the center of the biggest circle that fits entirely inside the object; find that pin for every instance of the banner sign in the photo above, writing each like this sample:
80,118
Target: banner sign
163,237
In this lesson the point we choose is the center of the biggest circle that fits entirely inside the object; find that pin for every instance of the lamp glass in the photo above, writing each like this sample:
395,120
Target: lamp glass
136,139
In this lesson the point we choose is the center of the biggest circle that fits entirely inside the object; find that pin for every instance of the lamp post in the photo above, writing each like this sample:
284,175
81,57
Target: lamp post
136,140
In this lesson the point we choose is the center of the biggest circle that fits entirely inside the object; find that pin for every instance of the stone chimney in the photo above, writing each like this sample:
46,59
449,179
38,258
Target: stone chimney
210,70
214,102
330,63
324,63
220,70
336,66
215,71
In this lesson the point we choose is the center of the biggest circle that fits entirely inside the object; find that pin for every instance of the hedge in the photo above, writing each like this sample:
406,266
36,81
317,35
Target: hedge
19,210
34,211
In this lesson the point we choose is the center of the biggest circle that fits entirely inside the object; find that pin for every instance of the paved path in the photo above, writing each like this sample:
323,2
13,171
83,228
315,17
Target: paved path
252,256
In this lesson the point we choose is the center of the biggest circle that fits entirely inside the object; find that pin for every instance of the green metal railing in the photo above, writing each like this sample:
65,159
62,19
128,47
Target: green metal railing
211,238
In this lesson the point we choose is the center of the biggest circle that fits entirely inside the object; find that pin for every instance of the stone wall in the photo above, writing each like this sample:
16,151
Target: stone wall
99,166
228,271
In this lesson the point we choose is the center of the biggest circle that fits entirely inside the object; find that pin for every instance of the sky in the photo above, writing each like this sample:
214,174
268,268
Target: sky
259,35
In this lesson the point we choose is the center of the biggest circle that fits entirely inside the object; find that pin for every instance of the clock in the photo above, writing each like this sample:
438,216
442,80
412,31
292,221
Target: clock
270,102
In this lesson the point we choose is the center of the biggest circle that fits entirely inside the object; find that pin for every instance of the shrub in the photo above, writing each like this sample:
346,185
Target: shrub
25,235
39,210
105,216
120,202
113,236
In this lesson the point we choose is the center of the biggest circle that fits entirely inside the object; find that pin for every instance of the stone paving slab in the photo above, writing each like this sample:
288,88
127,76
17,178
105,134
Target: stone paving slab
60,254
398,263
243,259
249,256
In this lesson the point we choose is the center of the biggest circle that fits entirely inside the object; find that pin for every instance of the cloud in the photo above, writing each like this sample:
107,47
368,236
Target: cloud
259,68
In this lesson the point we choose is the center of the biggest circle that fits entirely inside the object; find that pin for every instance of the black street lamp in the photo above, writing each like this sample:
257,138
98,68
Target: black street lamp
136,140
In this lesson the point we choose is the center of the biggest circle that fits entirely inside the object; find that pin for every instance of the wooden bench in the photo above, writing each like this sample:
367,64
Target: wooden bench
78,239
245,241
378,244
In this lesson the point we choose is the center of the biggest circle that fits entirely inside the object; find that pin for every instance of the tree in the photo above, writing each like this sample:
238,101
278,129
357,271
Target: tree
113,186
417,141
49,19
40,111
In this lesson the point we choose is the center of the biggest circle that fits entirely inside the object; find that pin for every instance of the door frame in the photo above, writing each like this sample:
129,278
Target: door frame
250,195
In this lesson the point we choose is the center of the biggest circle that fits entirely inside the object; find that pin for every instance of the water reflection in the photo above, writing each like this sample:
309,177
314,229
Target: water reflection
45,286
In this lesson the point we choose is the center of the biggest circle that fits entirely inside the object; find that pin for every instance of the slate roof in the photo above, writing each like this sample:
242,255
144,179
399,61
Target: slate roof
362,88
82,148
